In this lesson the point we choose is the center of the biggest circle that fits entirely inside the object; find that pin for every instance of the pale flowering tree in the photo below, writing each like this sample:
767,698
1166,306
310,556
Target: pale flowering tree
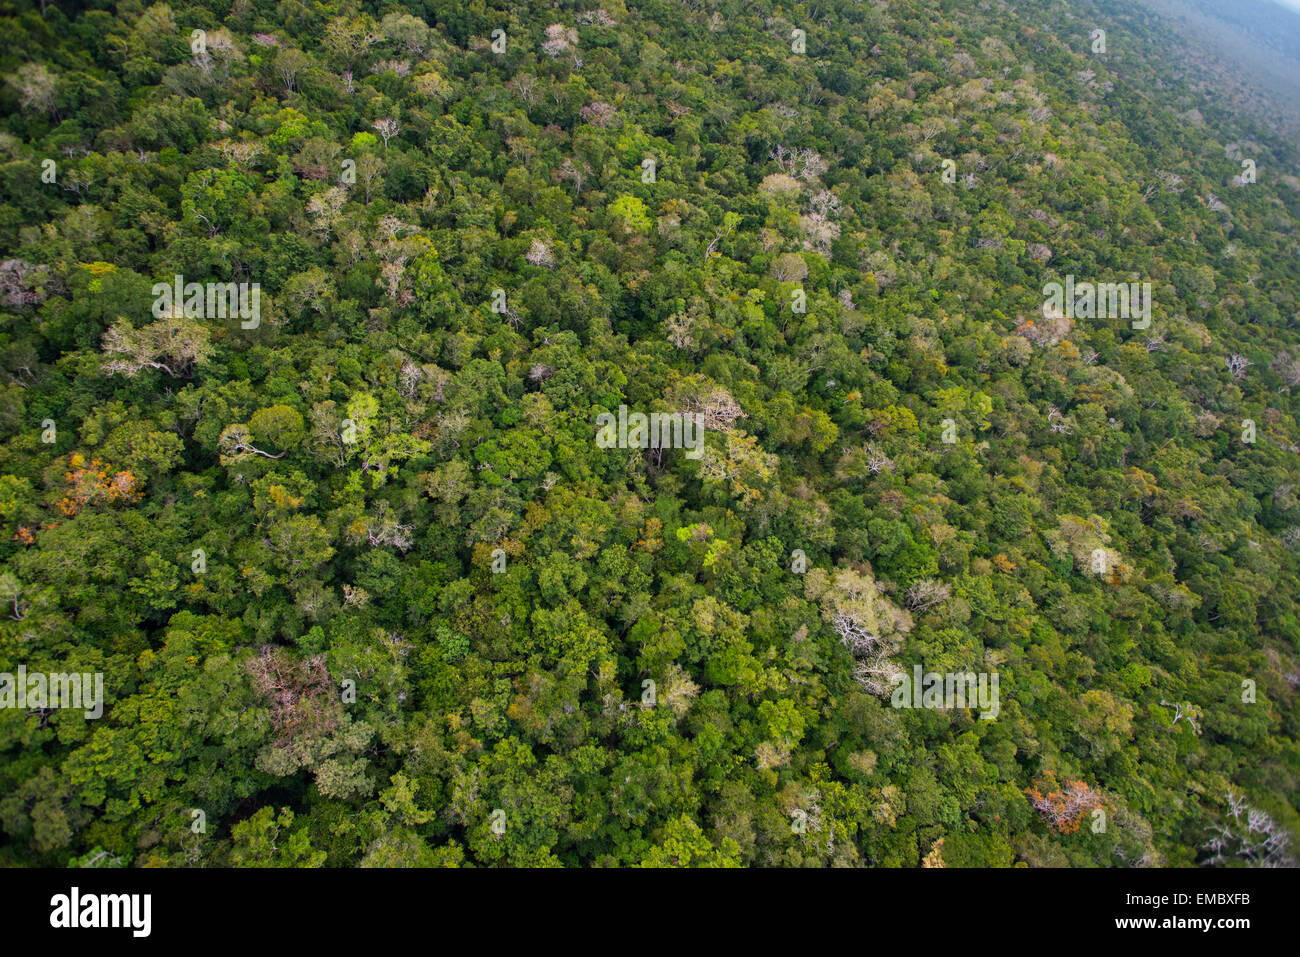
410,35
568,170
394,254
431,86
524,86
386,530
409,378
396,67
559,39
855,460
876,460
680,327
390,227
715,408
539,254
34,85
599,114
811,165
174,345
218,49
806,164
867,623
310,289
818,233
931,127
824,203
239,152
677,691
391,274
324,209
288,64
872,667
599,17
926,594
789,267
387,128
1058,422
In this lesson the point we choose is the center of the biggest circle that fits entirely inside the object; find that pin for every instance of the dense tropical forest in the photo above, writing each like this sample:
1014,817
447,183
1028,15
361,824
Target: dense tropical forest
309,310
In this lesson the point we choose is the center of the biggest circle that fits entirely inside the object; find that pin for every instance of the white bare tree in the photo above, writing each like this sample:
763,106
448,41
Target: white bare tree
387,128
1249,835
927,593
539,254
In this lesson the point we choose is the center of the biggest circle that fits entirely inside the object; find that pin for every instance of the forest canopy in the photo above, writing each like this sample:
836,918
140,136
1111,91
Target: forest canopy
309,312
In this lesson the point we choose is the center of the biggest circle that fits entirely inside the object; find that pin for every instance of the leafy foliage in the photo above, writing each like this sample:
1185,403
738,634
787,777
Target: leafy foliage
363,588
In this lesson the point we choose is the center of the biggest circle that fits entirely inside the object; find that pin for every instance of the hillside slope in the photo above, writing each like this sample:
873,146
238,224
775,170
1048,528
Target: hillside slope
366,586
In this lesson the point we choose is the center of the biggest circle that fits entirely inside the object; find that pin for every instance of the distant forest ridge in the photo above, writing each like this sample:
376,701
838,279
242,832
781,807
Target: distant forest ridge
1258,41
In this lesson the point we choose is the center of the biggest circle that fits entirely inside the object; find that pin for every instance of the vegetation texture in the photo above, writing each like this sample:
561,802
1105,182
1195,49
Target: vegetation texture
365,591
